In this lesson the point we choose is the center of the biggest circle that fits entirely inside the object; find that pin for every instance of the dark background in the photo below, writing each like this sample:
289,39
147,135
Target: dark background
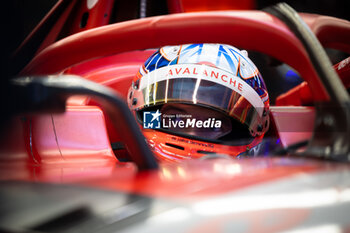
19,17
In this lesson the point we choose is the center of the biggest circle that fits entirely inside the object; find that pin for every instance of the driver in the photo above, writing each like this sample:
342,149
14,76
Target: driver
198,99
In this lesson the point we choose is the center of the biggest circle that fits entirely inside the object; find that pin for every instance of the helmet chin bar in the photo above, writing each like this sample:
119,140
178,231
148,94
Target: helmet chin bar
176,147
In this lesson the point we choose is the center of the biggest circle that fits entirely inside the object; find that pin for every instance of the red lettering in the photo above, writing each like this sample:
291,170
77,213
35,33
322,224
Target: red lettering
216,75
194,71
234,82
205,73
240,86
178,71
222,78
186,71
170,72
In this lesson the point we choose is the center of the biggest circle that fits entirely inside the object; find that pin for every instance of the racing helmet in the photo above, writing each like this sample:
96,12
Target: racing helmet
197,99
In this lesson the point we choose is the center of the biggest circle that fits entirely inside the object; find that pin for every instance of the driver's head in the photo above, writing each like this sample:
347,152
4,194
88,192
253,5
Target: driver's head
198,99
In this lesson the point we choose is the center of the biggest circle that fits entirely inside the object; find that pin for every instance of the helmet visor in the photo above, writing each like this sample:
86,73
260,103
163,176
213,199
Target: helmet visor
200,85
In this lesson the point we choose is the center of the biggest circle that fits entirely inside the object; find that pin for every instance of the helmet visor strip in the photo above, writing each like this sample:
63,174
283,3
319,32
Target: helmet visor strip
201,85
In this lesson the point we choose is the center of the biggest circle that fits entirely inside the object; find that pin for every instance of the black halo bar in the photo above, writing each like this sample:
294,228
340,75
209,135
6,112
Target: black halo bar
48,94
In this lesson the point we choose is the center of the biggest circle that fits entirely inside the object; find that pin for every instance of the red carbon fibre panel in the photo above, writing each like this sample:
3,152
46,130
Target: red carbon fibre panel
192,180
331,32
60,138
301,94
91,15
294,124
115,71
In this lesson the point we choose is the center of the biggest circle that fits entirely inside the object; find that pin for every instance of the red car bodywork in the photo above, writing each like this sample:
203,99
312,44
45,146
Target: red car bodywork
75,147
